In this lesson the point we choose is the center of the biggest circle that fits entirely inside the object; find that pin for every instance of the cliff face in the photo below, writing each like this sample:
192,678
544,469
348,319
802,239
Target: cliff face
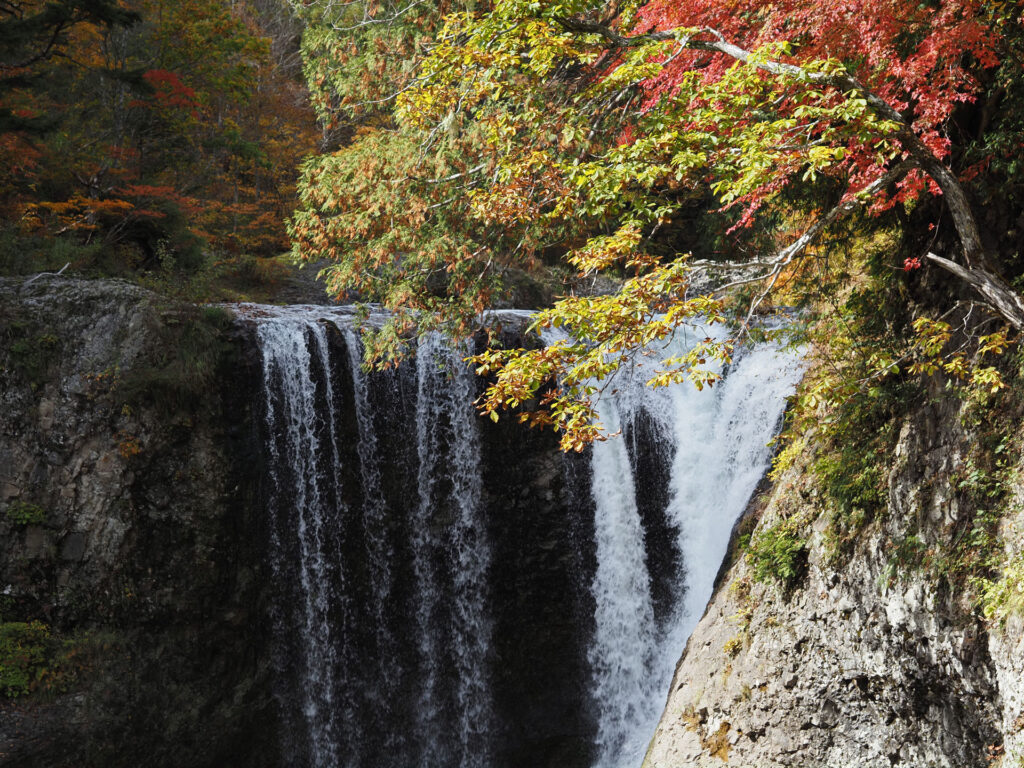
870,657
132,594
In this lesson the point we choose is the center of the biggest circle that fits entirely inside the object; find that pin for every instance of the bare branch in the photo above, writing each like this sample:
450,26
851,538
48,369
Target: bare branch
997,295
46,274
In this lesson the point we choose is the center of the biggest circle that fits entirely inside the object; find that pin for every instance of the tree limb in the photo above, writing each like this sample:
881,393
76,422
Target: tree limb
784,257
1001,297
46,274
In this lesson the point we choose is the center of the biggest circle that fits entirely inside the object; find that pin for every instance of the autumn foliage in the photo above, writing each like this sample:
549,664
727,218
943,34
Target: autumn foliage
583,131
172,134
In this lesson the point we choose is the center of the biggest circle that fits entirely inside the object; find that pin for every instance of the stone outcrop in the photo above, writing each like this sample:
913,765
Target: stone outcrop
867,660
128,528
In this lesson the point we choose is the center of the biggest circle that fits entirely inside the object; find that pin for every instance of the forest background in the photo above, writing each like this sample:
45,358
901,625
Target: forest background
153,140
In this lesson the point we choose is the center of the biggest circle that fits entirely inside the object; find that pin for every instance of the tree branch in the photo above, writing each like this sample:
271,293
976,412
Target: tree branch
46,274
1001,297
786,256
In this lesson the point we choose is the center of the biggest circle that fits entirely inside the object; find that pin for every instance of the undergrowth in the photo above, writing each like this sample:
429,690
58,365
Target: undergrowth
778,554
878,356
36,660
23,513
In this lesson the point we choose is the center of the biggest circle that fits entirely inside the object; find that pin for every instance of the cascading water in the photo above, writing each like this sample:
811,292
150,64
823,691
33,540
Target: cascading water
446,390
346,587
443,598
303,454
717,441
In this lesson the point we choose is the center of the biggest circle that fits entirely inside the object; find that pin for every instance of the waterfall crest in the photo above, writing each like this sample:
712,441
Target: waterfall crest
442,598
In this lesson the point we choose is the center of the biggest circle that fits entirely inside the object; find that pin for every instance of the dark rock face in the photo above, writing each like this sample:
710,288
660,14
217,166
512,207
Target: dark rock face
125,421
539,503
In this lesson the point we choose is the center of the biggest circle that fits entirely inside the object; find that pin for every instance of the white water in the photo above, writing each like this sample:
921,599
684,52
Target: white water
719,440
621,653
444,413
714,443
448,547
288,362
379,550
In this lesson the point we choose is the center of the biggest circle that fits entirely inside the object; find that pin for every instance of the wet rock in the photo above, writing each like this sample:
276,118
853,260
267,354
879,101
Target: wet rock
74,545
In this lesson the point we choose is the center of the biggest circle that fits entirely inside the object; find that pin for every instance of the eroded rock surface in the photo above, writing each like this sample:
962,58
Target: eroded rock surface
126,515
867,661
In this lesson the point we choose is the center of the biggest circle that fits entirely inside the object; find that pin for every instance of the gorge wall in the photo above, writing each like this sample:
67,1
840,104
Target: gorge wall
874,654
188,610
132,590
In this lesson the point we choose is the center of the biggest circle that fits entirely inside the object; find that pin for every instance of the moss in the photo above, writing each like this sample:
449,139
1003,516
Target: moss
734,645
974,552
787,457
23,654
852,468
30,354
717,744
907,554
23,513
691,718
29,657
35,660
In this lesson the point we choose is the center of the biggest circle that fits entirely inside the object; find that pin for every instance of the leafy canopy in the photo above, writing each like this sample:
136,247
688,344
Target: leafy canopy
579,130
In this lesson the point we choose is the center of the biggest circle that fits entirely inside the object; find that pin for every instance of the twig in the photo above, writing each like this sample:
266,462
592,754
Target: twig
44,274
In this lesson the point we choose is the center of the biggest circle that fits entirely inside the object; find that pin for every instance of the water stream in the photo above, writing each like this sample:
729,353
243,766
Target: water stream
453,593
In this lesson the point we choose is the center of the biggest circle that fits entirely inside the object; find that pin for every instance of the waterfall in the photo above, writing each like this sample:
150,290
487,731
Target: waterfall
303,472
444,414
621,654
450,592
718,442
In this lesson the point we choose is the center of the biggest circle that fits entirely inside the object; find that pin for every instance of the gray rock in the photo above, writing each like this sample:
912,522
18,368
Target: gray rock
874,669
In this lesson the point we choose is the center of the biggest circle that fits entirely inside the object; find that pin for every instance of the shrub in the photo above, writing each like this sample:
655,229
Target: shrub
23,513
778,554
24,654
36,660
1004,596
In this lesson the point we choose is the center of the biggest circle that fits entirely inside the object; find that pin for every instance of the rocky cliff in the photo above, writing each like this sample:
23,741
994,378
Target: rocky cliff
131,616
134,591
870,650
